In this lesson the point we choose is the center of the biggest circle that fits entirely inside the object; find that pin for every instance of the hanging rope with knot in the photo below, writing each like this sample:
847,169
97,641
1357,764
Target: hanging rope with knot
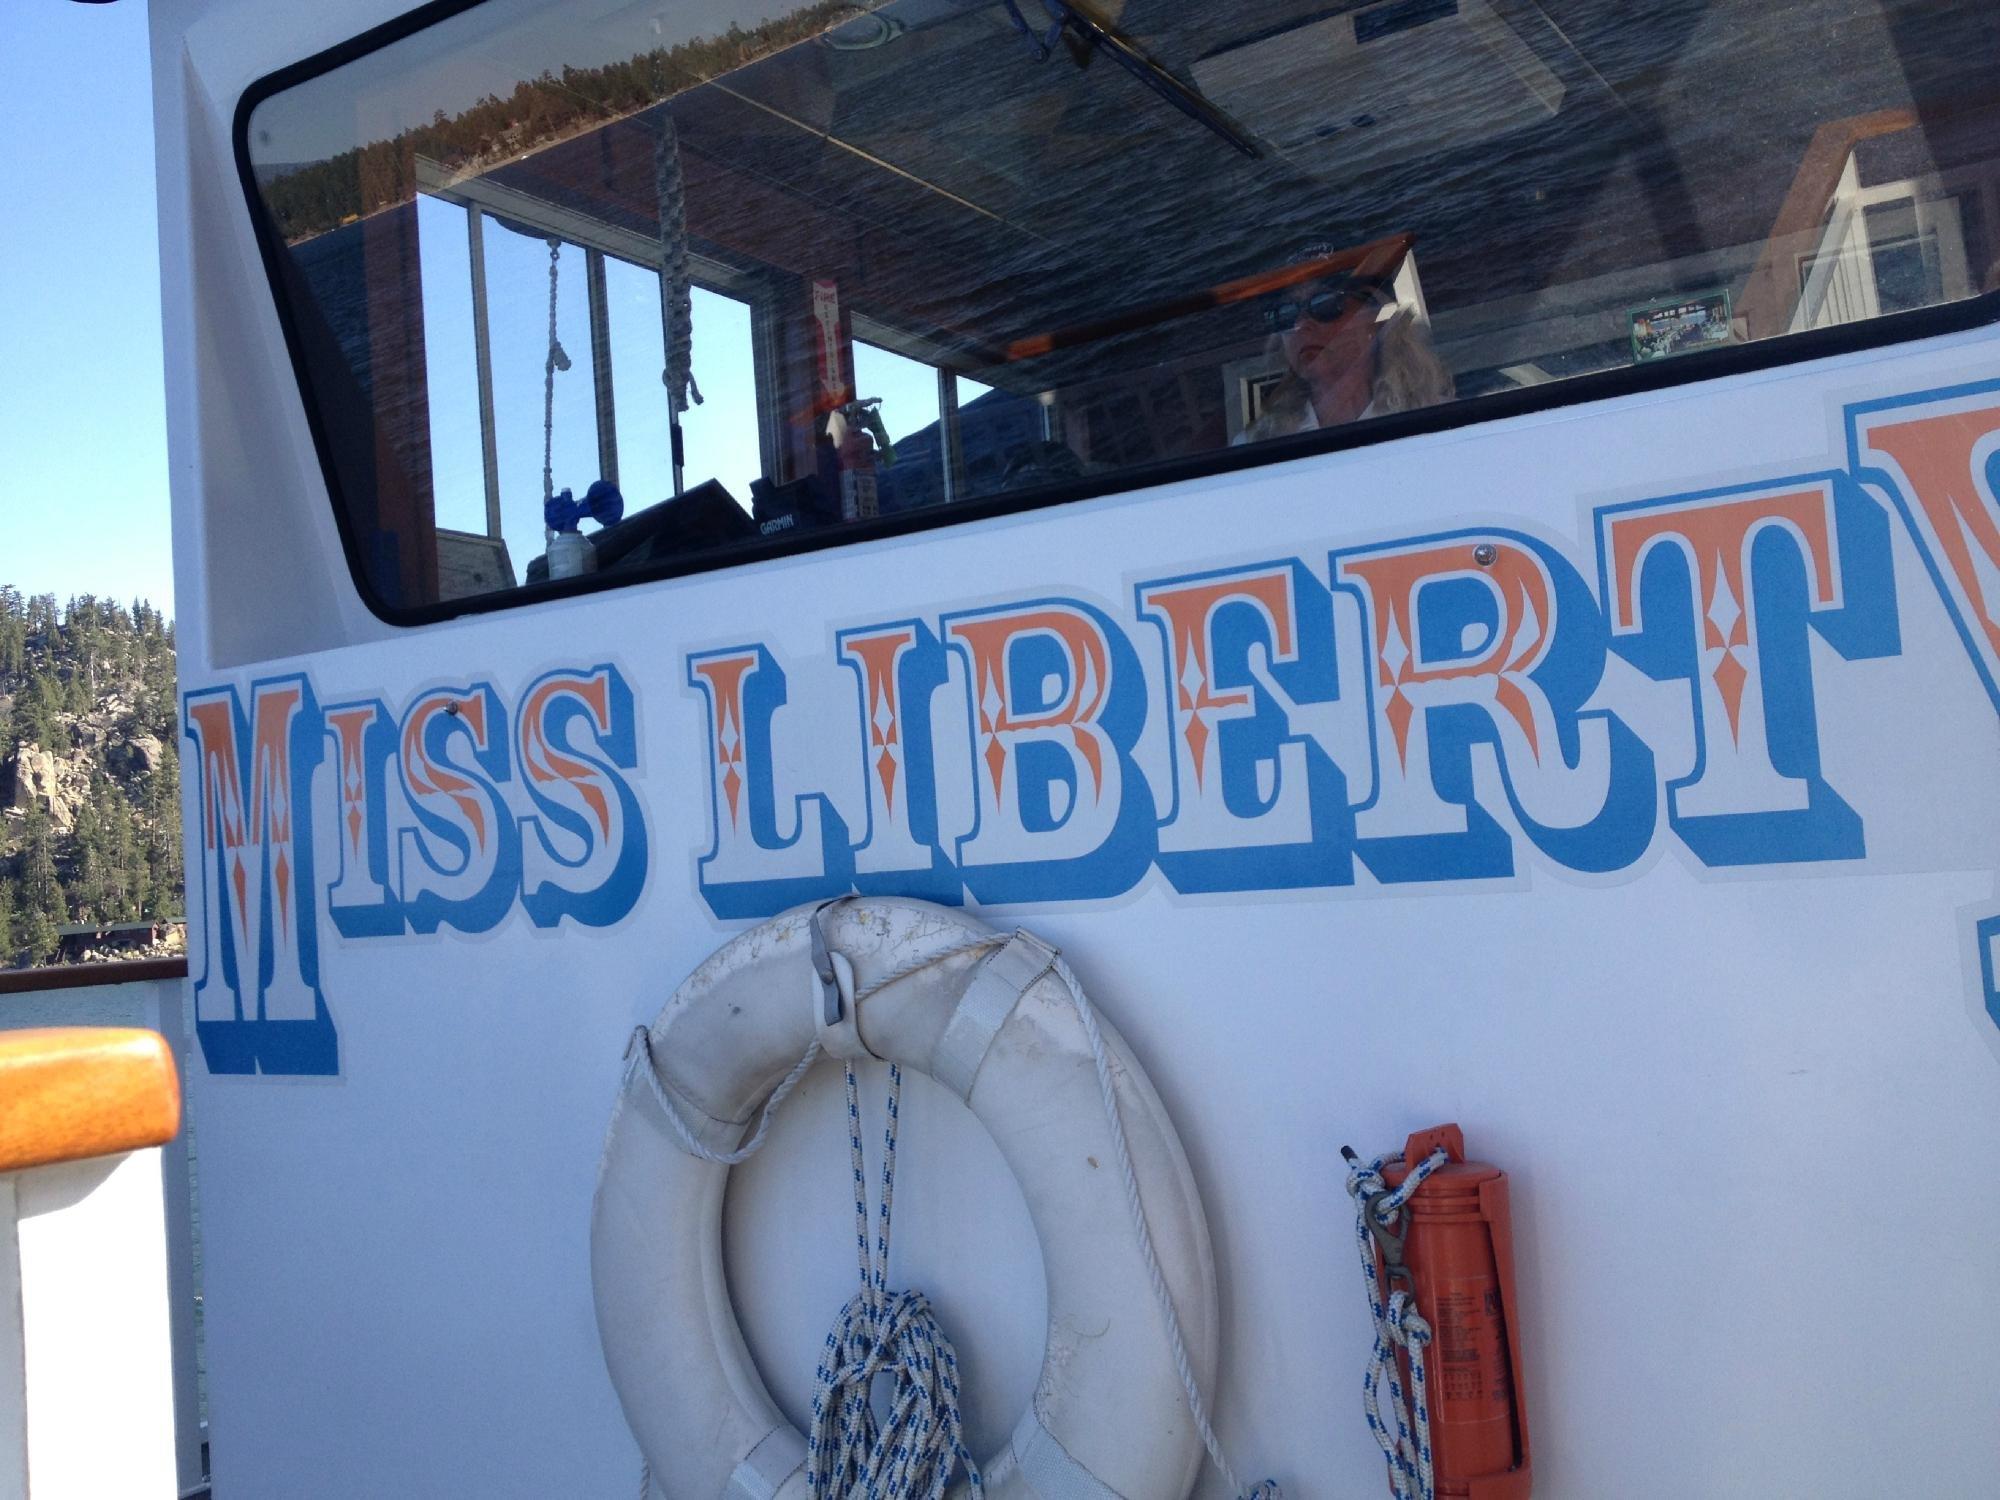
676,287
914,1454
1398,1325
558,360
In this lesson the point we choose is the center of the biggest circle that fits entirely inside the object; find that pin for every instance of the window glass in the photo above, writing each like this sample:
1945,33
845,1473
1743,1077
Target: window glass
911,472
926,252
542,416
721,439
907,389
644,429
458,484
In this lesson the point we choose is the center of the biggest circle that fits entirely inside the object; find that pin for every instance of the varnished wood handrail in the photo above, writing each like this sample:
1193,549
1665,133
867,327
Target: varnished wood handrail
69,1093
89,976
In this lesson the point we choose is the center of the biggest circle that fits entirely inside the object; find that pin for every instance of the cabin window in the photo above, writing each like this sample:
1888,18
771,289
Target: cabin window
816,271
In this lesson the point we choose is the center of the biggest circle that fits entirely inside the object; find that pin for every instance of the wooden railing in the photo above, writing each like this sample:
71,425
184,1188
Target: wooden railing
71,1093
97,1306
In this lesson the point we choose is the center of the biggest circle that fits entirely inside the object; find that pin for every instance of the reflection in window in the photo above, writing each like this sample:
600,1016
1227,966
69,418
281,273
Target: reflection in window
458,482
720,435
915,473
907,390
1249,223
537,413
643,426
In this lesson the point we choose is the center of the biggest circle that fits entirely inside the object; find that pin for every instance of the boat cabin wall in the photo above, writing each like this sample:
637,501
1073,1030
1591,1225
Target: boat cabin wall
1597,752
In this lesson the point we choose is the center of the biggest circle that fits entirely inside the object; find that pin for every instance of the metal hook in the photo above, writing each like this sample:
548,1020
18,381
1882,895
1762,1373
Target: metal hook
832,1005
1389,1243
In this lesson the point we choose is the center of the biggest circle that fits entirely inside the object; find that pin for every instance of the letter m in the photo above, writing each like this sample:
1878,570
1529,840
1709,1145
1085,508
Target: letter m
258,1006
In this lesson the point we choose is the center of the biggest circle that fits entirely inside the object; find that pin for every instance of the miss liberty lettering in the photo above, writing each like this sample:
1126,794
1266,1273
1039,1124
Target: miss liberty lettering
450,814
1406,712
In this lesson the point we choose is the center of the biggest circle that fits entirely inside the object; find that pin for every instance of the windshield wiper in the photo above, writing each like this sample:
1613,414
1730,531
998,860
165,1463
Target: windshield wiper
1093,33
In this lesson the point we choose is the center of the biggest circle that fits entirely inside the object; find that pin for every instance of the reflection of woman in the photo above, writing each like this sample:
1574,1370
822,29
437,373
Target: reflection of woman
1351,350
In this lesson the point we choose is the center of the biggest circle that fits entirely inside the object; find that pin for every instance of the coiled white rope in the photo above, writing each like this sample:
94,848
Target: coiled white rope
848,1453
1398,1324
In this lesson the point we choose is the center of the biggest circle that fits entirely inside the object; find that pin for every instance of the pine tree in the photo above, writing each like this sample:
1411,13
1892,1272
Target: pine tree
89,873
40,889
40,909
124,863
35,932
162,803
36,710
7,923
13,633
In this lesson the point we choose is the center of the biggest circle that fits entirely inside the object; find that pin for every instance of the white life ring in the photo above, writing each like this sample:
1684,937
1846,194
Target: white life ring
1110,1418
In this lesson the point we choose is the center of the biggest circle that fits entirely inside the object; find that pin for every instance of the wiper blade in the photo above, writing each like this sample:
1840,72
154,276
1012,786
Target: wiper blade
1094,33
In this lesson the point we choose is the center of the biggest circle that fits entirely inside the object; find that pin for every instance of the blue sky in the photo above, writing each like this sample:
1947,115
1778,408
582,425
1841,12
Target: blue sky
83,451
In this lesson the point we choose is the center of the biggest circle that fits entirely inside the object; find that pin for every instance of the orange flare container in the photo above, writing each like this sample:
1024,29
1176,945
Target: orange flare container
1459,1248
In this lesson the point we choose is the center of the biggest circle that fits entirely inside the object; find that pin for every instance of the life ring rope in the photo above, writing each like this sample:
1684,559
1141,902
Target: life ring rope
639,1060
1266,1489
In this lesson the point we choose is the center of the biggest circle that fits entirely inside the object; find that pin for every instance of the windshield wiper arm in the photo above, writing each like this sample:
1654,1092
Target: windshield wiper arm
1095,33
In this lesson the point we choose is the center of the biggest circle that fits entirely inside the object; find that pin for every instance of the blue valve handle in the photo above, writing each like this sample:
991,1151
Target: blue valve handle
600,503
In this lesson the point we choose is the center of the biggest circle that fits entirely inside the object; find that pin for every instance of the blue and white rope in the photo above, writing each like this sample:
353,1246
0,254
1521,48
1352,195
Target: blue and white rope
1398,1324
921,1446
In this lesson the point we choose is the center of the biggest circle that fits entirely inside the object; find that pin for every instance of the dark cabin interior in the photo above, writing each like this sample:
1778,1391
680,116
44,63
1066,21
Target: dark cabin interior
1072,231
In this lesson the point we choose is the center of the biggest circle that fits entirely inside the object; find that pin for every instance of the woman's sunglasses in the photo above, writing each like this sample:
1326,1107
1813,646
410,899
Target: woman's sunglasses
1322,307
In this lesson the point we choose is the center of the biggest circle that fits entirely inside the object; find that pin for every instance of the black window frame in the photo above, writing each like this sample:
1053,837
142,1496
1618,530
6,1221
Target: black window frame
1977,311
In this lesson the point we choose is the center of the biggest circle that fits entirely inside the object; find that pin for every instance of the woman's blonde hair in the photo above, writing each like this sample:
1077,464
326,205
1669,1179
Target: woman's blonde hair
1409,375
